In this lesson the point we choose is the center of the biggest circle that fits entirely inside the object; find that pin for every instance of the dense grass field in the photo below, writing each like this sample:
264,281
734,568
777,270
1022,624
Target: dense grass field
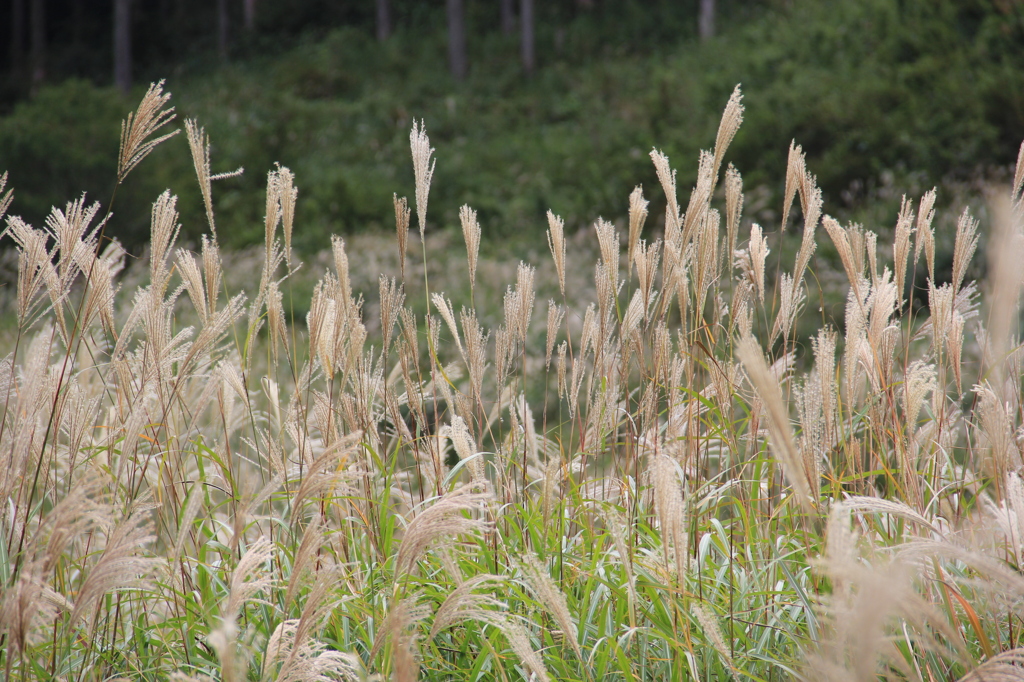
642,457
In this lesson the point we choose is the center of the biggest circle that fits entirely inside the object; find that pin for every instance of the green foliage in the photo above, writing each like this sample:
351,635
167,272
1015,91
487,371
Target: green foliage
870,89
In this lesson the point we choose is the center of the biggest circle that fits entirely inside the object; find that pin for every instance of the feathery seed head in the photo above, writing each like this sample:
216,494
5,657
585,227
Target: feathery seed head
733,207
402,214
608,240
139,127
637,216
556,242
471,233
667,178
732,118
758,254
964,247
795,173
766,384
423,168
925,233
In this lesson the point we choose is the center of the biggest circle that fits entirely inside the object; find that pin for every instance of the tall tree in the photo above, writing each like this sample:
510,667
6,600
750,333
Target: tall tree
249,14
526,35
706,19
508,17
383,20
457,39
222,29
123,45
37,21
17,44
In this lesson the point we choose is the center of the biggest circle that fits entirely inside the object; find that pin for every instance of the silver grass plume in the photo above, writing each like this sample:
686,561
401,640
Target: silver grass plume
1009,516
925,233
824,346
864,600
637,217
288,195
137,130
5,199
556,242
120,565
964,247
471,234
768,390
551,598
305,659
392,298
465,603
670,508
646,259
423,168
732,118
1006,666
164,232
444,306
633,318
792,297
841,239
525,296
811,201
758,254
476,349
901,245
795,173
733,209
35,266
402,215
955,345
199,144
709,624
608,240
667,178
466,449
440,520
399,627
276,323
700,199
309,545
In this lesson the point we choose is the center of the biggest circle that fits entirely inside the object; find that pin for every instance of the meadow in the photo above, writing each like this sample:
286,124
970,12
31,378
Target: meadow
652,454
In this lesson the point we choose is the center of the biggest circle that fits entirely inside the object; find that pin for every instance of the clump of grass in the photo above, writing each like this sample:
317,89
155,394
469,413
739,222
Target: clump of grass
401,486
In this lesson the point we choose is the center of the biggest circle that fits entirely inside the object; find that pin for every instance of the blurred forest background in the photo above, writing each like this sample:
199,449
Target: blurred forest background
531,104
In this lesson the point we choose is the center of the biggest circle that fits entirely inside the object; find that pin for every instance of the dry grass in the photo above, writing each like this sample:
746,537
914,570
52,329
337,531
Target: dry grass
660,476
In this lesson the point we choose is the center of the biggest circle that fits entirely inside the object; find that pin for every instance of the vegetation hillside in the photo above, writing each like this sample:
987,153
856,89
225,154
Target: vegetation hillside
880,94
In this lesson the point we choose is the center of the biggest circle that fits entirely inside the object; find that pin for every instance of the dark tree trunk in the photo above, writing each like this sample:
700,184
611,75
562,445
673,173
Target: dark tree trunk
526,35
383,20
17,45
706,20
123,45
37,21
508,17
249,14
222,29
457,39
